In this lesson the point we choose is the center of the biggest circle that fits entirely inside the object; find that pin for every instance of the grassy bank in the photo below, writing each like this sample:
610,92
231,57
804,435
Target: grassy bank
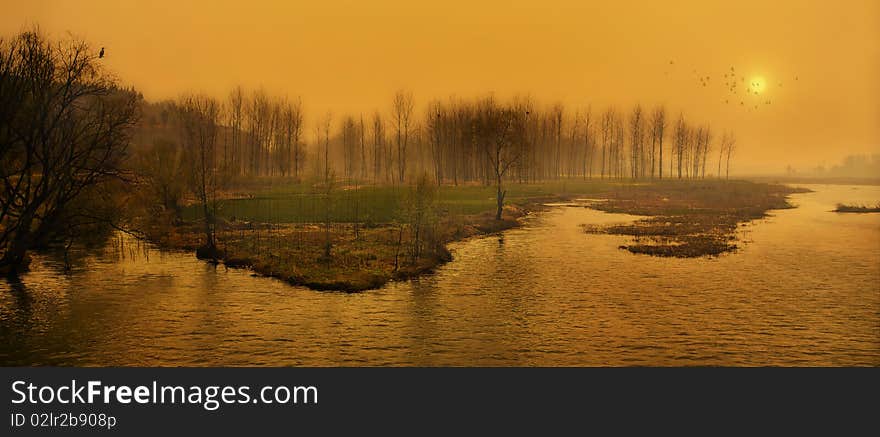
361,257
281,230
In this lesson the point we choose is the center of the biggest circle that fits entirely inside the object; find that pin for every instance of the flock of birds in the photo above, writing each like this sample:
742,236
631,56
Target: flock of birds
737,89
733,86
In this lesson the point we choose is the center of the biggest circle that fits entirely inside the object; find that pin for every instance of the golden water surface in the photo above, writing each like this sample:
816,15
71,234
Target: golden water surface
804,289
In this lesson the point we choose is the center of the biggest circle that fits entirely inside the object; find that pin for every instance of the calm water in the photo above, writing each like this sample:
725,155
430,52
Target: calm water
804,290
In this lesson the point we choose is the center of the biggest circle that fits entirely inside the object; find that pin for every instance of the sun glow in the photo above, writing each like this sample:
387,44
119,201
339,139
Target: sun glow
757,84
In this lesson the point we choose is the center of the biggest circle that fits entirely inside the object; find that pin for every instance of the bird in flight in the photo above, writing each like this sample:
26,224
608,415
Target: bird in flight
101,55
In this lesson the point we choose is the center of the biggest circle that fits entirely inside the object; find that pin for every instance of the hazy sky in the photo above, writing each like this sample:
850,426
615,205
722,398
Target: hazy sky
351,56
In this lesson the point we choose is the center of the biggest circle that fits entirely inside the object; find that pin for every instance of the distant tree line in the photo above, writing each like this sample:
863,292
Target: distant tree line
454,141
860,166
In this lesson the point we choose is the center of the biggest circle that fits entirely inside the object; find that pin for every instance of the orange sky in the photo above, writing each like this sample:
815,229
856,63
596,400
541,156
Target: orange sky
352,55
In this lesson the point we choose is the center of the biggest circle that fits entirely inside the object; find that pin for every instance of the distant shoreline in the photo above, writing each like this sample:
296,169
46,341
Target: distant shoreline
842,180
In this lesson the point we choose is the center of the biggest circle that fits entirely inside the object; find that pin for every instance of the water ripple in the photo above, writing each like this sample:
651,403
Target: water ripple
805,290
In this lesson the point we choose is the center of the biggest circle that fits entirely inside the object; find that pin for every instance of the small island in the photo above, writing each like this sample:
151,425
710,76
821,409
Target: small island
374,234
857,208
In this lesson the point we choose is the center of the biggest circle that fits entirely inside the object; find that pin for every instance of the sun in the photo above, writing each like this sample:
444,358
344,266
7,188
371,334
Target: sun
757,84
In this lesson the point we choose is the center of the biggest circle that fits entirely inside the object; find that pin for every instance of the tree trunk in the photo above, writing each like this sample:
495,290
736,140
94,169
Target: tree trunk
15,258
500,198
209,229
661,156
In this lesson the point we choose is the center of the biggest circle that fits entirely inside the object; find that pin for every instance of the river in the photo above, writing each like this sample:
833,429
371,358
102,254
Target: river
803,289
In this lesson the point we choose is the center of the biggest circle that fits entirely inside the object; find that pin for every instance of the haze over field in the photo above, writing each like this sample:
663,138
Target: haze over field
350,56
467,184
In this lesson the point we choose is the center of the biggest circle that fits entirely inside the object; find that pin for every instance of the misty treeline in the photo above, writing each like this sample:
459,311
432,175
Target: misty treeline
457,140
863,166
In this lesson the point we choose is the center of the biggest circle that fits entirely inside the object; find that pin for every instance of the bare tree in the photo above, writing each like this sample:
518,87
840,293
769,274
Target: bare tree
658,131
259,132
637,128
64,129
707,147
160,167
199,116
379,153
588,143
433,119
278,143
694,147
362,133
496,124
556,116
618,146
607,132
419,213
349,138
523,106
236,118
324,128
680,144
289,133
571,160
402,109
730,148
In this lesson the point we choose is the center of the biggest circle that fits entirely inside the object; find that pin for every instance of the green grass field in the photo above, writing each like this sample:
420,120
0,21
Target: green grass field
304,203
287,202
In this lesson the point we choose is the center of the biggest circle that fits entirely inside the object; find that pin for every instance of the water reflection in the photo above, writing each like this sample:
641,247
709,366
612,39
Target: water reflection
805,290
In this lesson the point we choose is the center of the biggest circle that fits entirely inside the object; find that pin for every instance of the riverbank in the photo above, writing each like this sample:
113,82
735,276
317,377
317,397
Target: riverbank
690,219
683,219
360,257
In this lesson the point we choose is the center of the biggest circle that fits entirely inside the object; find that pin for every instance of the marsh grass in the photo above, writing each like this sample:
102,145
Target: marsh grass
857,208
690,219
294,252
277,228
372,204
